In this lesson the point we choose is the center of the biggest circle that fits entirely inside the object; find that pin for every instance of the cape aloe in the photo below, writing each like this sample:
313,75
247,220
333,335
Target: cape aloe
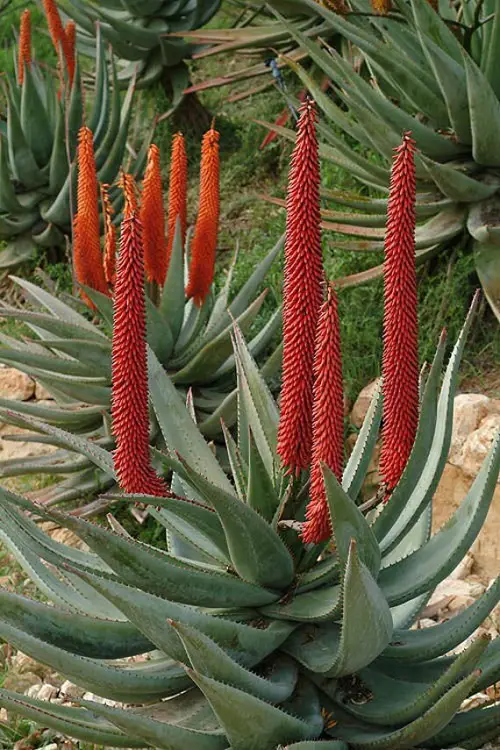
37,147
188,327
140,35
257,640
435,74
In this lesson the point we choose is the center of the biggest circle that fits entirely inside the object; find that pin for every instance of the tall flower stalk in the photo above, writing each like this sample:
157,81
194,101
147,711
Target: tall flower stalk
204,244
70,34
177,197
56,30
328,419
400,369
152,215
302,295
87,256
109,237
24,58
130,414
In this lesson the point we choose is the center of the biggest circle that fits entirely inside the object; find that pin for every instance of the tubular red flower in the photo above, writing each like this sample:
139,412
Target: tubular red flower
152,216
24,57
130,413
87,256
109,237
56,29
70,34
204,244
177,198
302,295
400,370
328,419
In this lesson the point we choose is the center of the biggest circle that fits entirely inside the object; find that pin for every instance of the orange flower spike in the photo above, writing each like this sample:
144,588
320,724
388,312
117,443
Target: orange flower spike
152,215
70,34
302,295
56,29
87,257
177,199
129,409
204,244
400,365
109,237
24,45
127,184
328,419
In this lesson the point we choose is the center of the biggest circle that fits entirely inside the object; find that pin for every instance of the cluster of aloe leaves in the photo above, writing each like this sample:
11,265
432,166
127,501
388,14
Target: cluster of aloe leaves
435,74
71,357
37,148
258,641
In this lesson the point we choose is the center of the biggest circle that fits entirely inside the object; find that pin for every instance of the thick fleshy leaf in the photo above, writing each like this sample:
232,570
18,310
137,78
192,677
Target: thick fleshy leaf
250,723
365,630
150,614
80,723
176,724
257,552
348,523
210,660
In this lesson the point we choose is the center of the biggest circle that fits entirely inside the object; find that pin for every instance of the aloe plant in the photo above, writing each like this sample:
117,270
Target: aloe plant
37,145
257,640
435,74
140,35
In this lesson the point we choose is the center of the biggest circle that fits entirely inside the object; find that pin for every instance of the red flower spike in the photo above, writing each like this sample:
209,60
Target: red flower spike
328,419
302,295
177,198
24,57
204,244
129,403
87,256
109,237
400,369
70,34
152,216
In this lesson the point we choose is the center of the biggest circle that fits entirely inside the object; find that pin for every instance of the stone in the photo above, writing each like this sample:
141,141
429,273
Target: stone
47,692
476,418
449,495
478,444
63,536
20,449
362,403
41,393
15,385
70,690
463,568
20,683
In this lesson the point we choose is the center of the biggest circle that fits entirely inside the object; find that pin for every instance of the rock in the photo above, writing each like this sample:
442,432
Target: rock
477,446
452,489
425,622
475,422
20,683
99,699
20,449
70,690
362,403
63,536
47,692
15,384
4,716
52,746
463,568
41,393
463,592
